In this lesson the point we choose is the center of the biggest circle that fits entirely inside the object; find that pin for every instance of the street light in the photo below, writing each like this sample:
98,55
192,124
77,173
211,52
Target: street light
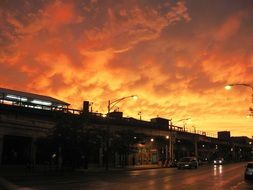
251,113
194,128
229,87
139,113
172,138
111,104
115,102
185,119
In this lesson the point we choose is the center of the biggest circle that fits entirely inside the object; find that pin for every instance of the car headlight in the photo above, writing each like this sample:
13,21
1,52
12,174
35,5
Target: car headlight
214,161
220,161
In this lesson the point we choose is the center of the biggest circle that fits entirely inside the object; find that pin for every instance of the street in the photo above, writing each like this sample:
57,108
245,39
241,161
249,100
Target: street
226,177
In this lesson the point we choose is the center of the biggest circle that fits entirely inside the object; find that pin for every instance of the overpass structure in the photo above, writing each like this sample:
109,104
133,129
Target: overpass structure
23,121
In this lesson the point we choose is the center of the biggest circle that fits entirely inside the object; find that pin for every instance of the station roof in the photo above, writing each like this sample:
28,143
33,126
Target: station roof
30,98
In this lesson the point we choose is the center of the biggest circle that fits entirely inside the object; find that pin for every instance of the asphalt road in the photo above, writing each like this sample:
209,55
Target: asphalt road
226,177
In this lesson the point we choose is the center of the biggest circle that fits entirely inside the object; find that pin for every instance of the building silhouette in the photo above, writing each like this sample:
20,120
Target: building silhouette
25,118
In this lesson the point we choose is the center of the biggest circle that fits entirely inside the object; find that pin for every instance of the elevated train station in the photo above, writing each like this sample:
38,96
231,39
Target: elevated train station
25,117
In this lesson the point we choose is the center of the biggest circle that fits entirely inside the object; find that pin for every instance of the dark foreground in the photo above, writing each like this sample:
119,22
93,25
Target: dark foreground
227,177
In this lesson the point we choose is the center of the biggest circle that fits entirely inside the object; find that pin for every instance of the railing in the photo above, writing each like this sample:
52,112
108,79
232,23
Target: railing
46,108
189,130
69,110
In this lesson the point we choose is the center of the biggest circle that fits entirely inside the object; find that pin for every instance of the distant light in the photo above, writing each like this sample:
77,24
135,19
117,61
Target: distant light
38,107
248,116
135,137
203,145
23,99
250,142
152,140
40,102
135,97
103,115
228,87
167,137
232,149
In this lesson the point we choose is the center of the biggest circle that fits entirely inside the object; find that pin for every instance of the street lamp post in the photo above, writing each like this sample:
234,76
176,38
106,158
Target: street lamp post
110,105
194,128
172,139
171,142
229,86
139,113
195,142
114,102
185,119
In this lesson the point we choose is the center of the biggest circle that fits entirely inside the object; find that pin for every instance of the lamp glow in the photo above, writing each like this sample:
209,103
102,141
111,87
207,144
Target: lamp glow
135,97
228,87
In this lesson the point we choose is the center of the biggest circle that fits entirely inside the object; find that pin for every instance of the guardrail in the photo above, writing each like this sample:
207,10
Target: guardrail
194,131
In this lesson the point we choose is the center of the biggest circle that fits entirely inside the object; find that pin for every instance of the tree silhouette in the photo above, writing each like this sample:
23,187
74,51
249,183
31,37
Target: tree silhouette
70,143
124,143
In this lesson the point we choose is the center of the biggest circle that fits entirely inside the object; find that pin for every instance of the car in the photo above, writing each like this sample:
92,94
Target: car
173,163
218,161
187,162
248,174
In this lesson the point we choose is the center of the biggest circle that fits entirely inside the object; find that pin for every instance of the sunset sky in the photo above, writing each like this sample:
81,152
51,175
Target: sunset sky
177,56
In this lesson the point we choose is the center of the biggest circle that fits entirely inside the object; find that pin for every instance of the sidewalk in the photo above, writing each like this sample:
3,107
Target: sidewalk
22,170
11,176
16,173
126,168
144,167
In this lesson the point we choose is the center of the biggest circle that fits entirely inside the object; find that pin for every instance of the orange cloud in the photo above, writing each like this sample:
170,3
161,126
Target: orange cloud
173,57
231,26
